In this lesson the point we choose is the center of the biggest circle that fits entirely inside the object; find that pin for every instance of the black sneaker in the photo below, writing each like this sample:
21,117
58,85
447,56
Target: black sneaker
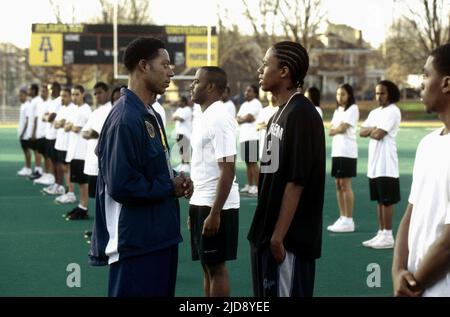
34,175
78,214
67,214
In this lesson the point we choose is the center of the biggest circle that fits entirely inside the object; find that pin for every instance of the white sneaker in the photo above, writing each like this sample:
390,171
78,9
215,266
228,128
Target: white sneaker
368,243
25,171
345,225
385,242
46,179
66,198
245,189
253,190
54,189
330,227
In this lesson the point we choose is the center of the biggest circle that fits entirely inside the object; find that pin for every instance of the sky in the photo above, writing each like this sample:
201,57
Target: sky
373,17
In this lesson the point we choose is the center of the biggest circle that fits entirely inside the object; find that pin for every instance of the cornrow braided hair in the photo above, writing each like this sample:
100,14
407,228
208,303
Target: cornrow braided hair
294,56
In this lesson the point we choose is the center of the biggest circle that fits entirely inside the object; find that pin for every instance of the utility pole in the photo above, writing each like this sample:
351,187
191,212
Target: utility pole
4,88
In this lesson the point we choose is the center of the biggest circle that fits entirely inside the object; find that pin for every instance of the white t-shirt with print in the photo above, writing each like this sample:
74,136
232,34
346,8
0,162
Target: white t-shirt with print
53,107
212,140
185,127
96,120
383,159
344,144
430,197
247,131
76,149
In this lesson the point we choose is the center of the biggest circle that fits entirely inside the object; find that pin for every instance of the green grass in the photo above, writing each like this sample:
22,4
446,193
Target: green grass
37,244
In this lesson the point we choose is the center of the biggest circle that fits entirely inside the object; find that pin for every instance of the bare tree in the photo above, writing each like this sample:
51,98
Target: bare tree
299,19
416,34
129,12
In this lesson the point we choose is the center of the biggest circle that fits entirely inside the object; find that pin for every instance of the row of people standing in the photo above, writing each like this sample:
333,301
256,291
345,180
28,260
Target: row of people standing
381,127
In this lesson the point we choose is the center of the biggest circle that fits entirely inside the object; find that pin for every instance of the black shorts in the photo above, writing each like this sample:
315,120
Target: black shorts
33,144
343,167
25,144
250,151
61,156
294,277
220,247
76,172
41,146
50,149
92,181
385,190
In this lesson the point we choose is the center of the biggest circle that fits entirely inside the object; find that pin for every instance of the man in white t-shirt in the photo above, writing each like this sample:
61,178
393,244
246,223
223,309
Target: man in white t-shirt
35,104
183,129
50,136
421,256
91,132
248,138
76,152
21,131
61,167
228,103
214,206
46,177
381,126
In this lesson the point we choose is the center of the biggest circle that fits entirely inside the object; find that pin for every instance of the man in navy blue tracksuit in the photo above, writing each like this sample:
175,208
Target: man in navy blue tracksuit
137,223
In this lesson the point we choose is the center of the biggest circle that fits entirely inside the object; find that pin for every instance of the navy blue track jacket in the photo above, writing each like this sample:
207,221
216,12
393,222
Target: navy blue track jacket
136,210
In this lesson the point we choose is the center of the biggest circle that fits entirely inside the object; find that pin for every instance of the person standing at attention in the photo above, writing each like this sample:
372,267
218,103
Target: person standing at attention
382,126
344,154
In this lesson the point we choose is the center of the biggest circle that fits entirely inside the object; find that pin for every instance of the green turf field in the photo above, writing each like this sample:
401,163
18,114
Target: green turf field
37,244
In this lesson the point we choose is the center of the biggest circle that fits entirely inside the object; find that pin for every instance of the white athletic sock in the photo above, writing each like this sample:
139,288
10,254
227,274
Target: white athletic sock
82,207
387,232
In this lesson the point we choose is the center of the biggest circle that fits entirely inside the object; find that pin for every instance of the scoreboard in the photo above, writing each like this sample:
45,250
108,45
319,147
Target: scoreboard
64,44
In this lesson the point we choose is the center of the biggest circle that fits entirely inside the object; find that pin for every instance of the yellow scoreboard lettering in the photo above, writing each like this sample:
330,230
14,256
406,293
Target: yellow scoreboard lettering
197,50
46,49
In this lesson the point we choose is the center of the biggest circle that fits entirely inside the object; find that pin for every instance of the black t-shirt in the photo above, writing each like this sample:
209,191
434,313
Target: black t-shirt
301,159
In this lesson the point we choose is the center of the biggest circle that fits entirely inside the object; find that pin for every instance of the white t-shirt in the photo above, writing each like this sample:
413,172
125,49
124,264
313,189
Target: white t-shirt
62,137
41,128
212,140
247,131
430,197
344,144
319,110
22,117
383,159
264,116
76,149
31,115
231,108
160,110
53,107
185,127
95,122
